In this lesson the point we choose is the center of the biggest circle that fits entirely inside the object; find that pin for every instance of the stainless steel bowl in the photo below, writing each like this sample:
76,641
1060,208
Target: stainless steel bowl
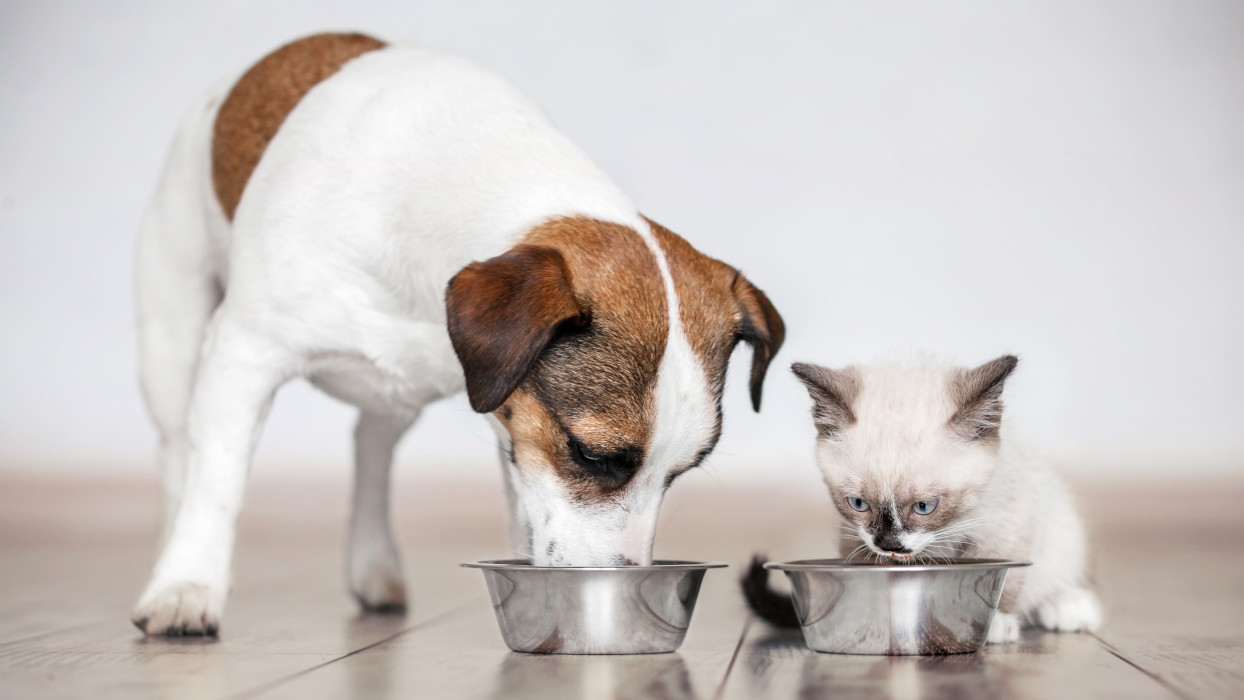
593,609
854,608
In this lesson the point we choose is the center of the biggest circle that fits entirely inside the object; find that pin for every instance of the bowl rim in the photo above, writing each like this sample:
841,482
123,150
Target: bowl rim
657,565
848,565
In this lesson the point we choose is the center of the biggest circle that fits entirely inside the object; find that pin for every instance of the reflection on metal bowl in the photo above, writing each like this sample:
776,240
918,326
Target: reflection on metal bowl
850,607
593,610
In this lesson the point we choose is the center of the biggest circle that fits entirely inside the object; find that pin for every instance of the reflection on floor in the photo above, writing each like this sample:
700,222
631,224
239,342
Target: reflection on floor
74,554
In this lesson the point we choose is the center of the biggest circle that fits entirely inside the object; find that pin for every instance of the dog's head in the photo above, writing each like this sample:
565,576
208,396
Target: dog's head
603,394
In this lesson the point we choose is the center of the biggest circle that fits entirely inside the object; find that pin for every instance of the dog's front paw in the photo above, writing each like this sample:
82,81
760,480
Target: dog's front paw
178,609
1076,610
376,579
1004,629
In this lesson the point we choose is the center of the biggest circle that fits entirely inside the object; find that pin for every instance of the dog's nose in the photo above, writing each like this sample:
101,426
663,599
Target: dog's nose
890,542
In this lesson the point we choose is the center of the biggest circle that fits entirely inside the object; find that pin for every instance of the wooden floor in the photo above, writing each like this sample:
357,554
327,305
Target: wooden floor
74,554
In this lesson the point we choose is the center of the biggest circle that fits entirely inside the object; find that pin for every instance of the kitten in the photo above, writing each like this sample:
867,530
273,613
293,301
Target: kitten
921,469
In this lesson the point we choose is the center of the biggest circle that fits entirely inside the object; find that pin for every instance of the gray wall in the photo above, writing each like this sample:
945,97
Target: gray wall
1064,180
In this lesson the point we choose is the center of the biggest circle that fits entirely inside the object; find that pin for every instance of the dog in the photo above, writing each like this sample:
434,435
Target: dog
396,225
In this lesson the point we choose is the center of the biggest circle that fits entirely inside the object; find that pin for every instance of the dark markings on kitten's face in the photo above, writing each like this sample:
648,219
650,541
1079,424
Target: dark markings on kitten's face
949,507
976,397
885,529
840,496
884,525
833,392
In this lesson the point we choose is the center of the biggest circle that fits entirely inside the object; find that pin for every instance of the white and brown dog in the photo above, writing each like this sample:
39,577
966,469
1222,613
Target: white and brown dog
325,216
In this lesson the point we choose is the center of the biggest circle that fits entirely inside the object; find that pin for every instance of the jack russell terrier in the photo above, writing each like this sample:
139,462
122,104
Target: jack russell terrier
395,225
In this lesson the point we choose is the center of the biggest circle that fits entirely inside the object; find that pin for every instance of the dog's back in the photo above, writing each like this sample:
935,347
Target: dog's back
261,99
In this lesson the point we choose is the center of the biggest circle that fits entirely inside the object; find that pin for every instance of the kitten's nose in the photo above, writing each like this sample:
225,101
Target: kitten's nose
890,542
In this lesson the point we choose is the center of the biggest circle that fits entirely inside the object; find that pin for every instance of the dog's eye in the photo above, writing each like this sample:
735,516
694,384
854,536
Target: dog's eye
925,507
857,503
612,469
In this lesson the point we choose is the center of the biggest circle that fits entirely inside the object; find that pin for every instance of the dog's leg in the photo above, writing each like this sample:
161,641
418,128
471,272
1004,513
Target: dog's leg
375,570
237,376
173,313
176,294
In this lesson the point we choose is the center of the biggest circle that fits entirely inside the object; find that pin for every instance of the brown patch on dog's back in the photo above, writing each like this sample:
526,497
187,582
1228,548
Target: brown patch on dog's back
261,100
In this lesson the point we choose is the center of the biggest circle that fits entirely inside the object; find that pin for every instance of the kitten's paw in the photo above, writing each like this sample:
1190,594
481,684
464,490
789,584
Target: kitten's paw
376,578
1076,610
1004,629
177,609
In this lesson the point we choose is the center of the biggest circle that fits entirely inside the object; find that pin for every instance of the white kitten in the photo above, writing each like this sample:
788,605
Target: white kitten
920,467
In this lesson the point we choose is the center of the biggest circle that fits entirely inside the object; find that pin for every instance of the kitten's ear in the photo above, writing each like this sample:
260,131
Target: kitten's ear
978,396
833,391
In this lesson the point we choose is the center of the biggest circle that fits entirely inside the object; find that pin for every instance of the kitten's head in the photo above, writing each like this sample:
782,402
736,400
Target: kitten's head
905,449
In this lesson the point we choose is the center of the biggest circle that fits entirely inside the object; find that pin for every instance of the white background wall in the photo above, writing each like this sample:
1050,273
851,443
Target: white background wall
1064,180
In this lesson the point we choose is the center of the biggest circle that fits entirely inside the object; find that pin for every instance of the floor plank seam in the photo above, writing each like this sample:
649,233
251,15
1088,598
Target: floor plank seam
98,621
262,586
1119,655
738,647
272,685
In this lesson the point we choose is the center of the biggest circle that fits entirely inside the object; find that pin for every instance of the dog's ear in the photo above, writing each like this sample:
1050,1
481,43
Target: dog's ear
761,327
502,313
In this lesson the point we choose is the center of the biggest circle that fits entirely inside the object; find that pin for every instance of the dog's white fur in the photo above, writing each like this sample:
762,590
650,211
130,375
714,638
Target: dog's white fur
1016,506
384,181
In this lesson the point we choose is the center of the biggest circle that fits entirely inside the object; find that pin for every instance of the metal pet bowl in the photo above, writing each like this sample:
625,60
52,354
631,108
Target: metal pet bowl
849,607
593,609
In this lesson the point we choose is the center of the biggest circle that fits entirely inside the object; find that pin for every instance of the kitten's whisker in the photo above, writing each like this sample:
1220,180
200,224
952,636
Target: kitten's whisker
949,557
977,519
947,552
946,535
963,525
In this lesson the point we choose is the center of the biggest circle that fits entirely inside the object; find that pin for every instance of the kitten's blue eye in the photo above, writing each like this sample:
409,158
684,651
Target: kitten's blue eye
925,507
858,504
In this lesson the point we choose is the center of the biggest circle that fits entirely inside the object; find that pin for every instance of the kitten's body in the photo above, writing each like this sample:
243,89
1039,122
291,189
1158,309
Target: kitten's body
897,438
1026,514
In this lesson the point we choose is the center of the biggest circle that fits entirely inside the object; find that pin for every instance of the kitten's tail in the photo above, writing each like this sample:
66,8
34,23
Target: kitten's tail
768,604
